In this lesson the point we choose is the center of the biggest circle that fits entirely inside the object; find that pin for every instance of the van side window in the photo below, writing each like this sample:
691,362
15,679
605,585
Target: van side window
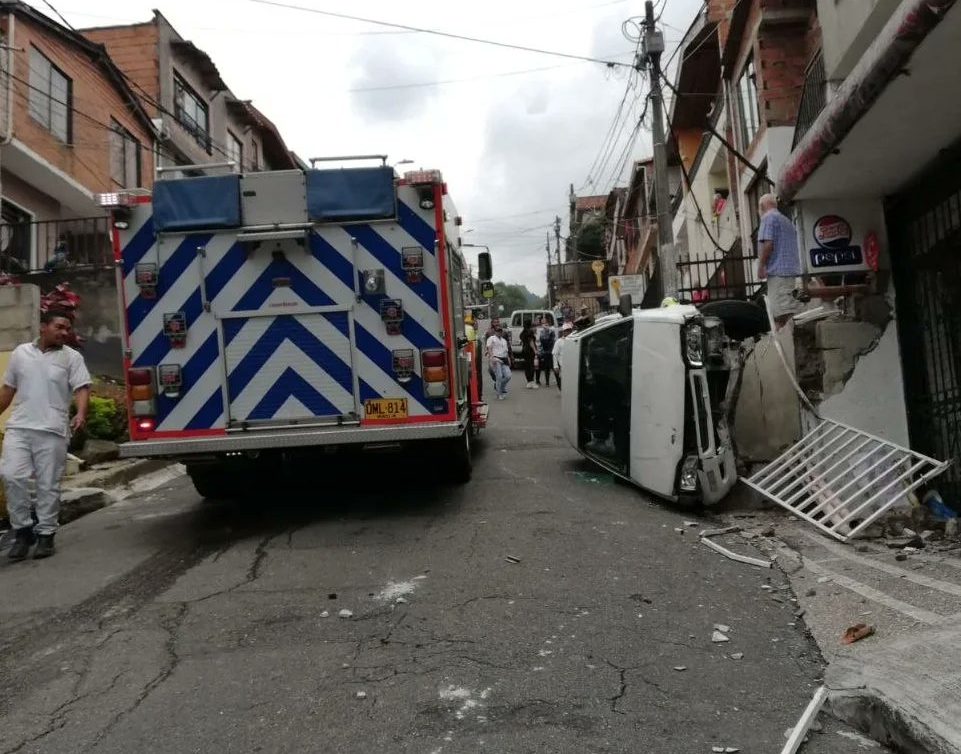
549,320
516,321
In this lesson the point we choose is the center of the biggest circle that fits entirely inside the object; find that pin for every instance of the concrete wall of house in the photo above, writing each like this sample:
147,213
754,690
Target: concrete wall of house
98,319
19,323
134,49
768,414
19,315
867,377
26,197
848,28
87,158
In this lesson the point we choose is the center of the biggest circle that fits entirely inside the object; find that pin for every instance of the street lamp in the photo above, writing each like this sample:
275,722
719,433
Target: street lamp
402,162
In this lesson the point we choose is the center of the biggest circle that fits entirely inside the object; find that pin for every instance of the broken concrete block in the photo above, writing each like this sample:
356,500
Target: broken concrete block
345,614
717,637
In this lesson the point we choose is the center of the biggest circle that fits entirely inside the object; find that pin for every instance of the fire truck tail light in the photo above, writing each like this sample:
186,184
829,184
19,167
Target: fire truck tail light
434,373
141,392
146,424
140,377
434,358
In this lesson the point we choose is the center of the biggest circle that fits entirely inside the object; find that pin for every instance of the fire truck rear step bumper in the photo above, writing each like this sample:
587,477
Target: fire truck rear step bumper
279,439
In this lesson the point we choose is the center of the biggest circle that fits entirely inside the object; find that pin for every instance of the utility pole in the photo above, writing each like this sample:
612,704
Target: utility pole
557,236
547,247
666,258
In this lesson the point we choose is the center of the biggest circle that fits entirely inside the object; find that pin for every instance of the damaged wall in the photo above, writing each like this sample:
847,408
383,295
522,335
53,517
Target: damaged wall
850,368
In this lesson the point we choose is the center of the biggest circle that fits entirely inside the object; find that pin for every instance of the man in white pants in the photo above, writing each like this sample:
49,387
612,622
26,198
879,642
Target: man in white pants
41,379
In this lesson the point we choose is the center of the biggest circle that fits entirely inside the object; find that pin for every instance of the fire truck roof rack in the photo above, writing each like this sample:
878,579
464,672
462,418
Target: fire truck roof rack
345,158
230,166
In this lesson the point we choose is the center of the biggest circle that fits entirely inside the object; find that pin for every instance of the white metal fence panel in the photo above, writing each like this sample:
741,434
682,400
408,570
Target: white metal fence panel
842,479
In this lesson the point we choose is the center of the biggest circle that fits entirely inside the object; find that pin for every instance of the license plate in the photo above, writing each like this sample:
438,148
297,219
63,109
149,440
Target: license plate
385,408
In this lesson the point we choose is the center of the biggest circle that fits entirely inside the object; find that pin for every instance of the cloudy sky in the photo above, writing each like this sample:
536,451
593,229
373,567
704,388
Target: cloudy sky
511,130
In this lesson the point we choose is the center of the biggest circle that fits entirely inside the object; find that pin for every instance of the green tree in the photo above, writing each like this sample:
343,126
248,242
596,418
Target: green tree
590,238
510,297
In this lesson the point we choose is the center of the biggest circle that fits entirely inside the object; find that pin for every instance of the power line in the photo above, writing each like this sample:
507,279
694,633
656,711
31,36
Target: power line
436,32
388,87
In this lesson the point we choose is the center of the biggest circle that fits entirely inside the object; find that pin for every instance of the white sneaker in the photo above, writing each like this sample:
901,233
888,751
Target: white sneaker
536,385
530,385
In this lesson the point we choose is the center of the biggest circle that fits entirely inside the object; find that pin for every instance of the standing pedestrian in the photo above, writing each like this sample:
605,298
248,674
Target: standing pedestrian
499,358
528,352
566,330
546,338
41,379
778,259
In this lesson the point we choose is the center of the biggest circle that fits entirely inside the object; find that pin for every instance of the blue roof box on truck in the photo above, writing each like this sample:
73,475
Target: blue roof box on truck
202,203
342,195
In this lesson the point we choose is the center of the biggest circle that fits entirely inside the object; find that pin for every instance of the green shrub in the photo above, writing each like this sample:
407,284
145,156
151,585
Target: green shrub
102,419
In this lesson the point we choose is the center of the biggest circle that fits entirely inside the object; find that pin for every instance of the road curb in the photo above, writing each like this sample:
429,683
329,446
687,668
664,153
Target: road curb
860,702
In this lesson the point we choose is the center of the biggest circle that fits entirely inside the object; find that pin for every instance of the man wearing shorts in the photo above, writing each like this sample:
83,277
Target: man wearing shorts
778,259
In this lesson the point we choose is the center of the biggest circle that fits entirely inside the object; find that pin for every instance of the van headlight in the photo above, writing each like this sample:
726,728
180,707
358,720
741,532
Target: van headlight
694,345
688,480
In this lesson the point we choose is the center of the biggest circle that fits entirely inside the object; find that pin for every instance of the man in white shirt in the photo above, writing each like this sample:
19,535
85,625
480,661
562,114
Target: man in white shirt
498,356
566,330
42,378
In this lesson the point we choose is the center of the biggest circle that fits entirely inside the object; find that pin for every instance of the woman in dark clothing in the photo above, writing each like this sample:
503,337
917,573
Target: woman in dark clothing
528,349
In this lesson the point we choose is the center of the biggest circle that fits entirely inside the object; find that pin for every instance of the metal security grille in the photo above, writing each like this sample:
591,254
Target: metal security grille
926,252
841,479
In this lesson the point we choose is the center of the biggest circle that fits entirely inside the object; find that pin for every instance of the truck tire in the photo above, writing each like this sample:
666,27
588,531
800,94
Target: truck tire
460,464
742,319
214,481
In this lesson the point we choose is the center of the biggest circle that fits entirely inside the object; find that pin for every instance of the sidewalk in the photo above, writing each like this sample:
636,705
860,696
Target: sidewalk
902,685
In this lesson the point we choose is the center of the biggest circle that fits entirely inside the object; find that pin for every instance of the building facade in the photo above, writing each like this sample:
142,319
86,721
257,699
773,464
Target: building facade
71,127
199,120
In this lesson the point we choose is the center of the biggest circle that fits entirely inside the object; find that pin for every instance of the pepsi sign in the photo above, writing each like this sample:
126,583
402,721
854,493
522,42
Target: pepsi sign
832,234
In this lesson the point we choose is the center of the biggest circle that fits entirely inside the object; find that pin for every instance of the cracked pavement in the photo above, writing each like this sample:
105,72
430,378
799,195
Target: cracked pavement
169,624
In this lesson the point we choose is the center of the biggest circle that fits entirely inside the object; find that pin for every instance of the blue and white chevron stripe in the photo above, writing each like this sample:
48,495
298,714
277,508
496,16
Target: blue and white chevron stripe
286,314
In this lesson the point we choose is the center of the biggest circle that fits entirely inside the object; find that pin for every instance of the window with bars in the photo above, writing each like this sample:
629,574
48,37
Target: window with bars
192,112
750,117
51,94
124,157
235,150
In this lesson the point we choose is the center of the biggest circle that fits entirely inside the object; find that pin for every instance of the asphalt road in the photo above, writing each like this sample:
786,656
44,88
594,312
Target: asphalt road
541,608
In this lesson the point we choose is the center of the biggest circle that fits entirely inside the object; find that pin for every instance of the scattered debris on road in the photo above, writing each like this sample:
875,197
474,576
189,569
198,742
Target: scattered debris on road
717,637
707,533
680,668
731,555
804,722
722,628
724,749
345,613
512,559
737,656
856,633
325,614
361,694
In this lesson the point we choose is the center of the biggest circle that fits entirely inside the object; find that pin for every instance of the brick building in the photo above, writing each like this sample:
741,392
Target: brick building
198,118
71,127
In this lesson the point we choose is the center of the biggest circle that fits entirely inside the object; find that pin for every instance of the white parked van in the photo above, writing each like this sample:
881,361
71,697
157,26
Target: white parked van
521,316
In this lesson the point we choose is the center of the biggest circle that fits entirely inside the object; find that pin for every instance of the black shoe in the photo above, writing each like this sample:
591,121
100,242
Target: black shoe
45,546
22,543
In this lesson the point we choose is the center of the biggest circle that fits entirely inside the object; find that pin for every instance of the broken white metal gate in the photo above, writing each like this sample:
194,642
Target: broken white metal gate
842,479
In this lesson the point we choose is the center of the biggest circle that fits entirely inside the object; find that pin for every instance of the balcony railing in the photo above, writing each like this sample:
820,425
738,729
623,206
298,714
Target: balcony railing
813,98
55,244
577,276
714,277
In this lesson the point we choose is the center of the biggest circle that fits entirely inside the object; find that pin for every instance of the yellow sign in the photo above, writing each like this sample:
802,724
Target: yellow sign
598,267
